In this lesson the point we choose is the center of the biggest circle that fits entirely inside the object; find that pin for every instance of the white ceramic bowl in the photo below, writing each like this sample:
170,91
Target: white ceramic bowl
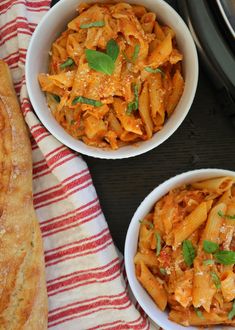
145,301
51,26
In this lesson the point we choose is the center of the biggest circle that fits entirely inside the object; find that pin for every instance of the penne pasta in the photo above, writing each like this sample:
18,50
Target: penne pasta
193,221
186,247
214,223
202,282
177,90
218,185
152,286
228,285
156,94
191,318
144,109
149,259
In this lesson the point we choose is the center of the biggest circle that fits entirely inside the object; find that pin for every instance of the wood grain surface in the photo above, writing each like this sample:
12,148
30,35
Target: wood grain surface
205,139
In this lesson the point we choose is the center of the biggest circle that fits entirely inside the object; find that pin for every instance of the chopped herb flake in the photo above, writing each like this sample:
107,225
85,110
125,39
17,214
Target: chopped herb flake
146,222
56,98
158,243
231,217
151,70
216,279
199,313
92,24
163,271
189,252
208,262
231,314
67,63
85,100
134,105
134,56
136,53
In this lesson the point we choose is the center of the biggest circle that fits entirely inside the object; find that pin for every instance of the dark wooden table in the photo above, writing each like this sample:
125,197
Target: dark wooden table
205,139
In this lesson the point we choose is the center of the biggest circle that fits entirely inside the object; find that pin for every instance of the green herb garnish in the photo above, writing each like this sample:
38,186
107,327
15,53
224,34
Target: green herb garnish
92,24
208,262
151,70
158,243
210,247
189,252
231,314
72,122
99,61
146,222
67,63
216,279
134,56
56,98
231,217
136,53
199,313
85,100
163,271
225,257
112,49
134,105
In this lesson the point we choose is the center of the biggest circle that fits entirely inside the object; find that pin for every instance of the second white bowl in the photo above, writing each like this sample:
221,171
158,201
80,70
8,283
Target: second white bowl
145,301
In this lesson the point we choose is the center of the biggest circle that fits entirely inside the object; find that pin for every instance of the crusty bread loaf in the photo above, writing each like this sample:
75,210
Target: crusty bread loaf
23,297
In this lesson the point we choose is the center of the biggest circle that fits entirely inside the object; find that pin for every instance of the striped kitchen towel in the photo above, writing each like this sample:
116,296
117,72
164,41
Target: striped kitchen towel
86,283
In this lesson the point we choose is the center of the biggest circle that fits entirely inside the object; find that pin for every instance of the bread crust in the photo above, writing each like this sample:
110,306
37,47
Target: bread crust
23,297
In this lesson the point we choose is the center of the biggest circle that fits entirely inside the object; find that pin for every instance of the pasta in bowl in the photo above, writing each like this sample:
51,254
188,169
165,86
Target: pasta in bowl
180,251
120,79
115,75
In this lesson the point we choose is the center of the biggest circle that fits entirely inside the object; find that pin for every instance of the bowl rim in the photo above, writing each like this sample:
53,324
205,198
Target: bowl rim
147,204
140,147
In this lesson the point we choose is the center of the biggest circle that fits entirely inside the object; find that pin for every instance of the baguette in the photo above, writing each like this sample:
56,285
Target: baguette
23,297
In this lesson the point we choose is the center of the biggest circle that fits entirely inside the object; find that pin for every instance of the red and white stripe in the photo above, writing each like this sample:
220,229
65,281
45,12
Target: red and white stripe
86,282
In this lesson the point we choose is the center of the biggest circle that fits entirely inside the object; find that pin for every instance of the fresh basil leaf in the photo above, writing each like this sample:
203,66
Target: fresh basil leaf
67,63
112,49
189,252
92,24
134,105
231,217
134,56
72,122
146,222
85,100
99,61
136,53
225,257
210,247
157,70
208,262
158,243
56,97
231,314
216,280
163,271
199,313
